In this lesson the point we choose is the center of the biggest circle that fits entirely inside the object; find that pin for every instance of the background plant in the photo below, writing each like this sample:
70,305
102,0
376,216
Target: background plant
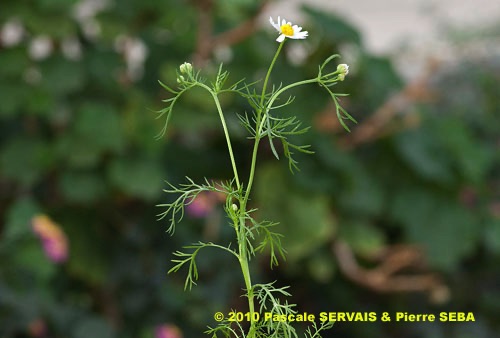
76,144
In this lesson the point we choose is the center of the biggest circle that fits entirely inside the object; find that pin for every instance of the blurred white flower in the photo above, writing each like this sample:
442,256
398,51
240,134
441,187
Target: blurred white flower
85,12
135,53
71,48
223,54
12,33
287,30
88,9
40,47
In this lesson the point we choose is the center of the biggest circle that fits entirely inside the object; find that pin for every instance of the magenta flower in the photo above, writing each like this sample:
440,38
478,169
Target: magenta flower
54,240
204,203
37,328
167,331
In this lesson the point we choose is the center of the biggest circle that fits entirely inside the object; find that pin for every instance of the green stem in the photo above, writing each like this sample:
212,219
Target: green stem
226,132
239,224
241,239
259,117
276,95
248,280
266,80
260,124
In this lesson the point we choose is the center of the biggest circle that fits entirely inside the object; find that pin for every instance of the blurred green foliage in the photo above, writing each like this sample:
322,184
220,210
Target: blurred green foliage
77,143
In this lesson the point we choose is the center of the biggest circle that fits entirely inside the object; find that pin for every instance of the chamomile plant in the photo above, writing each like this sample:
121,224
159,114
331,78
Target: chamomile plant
252,236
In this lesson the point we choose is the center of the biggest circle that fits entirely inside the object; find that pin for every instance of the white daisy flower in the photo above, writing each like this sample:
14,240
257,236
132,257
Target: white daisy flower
287,30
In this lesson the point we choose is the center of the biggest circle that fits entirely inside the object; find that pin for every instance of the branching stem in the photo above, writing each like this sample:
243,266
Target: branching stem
226,132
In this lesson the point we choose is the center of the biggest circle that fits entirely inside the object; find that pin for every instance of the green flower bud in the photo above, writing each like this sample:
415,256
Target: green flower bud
186,68
343,70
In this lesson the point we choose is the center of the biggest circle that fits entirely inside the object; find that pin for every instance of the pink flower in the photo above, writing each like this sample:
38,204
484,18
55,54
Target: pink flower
204,203
54,240
167,331
37,328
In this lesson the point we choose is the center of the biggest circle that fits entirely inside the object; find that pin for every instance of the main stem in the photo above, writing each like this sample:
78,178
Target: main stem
258,121
243,203
243,259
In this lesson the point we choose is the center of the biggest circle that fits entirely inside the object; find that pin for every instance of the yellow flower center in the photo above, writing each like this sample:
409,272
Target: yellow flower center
287,29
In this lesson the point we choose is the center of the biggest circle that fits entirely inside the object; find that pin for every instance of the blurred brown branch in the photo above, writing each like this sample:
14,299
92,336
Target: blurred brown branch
206,41
205,30
387,276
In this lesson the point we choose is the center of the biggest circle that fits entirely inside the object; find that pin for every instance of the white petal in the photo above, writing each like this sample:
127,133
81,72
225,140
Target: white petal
299,35
281,38
276,26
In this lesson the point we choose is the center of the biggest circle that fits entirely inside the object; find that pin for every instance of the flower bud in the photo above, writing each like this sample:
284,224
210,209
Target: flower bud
234,207
180,79
343,70
186,68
